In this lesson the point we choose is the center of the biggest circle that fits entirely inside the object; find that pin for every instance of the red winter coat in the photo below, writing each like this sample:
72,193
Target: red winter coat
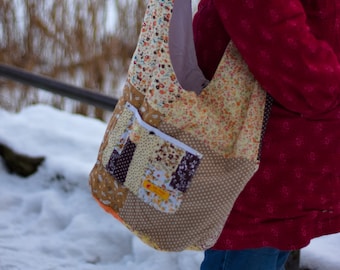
293,49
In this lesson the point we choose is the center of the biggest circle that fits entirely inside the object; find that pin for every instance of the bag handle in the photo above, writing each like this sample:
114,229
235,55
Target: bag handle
182,48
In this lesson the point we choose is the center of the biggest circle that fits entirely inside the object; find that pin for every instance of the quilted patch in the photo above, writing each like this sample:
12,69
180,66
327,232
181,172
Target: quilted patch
118,164
185,171
152,165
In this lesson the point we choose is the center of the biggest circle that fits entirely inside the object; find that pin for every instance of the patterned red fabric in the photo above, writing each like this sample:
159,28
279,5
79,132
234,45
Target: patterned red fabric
293,49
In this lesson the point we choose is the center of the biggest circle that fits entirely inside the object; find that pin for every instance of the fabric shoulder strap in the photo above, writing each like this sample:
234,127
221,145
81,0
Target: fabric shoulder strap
182,48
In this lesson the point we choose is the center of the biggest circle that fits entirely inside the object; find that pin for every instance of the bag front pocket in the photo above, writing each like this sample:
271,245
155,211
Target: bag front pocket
155,167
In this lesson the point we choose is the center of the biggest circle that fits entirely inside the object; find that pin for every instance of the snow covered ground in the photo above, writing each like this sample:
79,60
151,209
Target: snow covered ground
50,221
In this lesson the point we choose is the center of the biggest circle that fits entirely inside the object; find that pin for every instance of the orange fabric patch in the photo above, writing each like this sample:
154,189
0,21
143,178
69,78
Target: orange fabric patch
109,210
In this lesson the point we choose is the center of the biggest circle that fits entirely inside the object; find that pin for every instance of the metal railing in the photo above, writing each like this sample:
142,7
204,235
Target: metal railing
57,87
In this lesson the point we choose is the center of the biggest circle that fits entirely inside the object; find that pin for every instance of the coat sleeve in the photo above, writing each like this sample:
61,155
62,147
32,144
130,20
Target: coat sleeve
301,72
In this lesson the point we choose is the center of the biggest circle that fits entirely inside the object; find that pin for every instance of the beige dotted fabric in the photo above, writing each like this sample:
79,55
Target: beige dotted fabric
175,232
116,133
140,160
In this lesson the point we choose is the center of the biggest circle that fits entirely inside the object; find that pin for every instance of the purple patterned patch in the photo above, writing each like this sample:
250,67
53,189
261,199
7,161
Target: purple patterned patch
118,164
111,165
181,179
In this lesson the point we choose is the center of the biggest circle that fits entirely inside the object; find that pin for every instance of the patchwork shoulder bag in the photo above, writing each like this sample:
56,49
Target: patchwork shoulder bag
178,149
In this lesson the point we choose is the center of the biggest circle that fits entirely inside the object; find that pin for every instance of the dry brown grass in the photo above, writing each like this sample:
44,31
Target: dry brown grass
69,41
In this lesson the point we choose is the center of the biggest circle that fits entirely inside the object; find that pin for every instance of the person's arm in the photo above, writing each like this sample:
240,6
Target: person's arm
211,39
299,71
